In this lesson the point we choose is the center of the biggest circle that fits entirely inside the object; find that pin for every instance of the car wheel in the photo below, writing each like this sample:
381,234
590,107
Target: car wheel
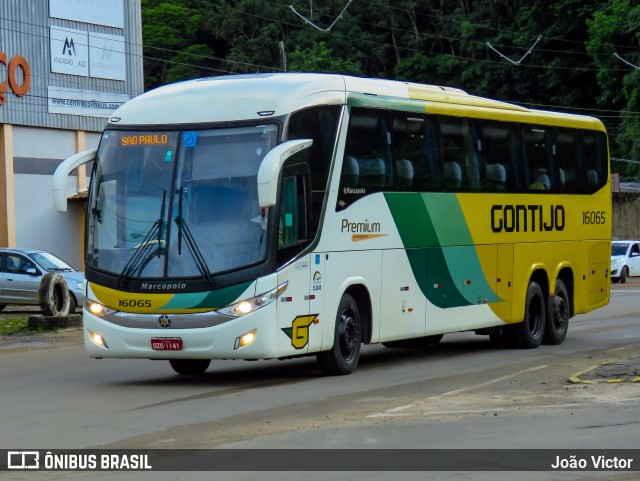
2,306
73,304
190,367
623,274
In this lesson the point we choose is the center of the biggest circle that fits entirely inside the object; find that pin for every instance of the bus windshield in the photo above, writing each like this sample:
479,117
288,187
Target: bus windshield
177,204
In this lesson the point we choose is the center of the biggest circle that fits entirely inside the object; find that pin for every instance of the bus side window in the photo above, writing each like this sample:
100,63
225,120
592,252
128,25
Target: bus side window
595,160
293,221
569,161
453,154
463,165
496,143
474,162
416,152
366,166
319,124
518,162
539,148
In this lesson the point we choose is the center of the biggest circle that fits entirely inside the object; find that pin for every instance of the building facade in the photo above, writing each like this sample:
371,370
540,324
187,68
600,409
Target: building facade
65,66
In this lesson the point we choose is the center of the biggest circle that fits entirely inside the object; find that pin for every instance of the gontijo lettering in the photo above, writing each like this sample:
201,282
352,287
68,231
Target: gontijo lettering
152,139
527,218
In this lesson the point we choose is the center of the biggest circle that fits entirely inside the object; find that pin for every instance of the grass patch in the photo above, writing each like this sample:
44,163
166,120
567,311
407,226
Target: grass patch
19,325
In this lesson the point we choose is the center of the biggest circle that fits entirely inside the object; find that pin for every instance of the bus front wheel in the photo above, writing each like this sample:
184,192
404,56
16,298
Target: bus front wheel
343,357
558,315
528,333
190,367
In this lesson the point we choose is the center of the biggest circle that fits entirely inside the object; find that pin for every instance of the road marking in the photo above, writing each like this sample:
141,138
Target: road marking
398,411
488,383
477,411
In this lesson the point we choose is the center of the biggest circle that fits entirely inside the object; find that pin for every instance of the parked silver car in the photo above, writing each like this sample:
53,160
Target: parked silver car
21,271
625,260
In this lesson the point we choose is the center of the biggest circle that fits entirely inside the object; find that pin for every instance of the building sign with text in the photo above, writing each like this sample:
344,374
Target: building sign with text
69,51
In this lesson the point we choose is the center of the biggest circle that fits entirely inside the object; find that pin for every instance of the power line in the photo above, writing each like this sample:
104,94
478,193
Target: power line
625,61
515,62
258,66
313,24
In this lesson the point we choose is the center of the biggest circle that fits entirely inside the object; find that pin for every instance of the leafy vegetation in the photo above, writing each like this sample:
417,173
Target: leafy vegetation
583,62
13,326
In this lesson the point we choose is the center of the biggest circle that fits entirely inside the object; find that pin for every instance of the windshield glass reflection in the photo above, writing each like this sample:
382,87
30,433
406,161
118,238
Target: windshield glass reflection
156,212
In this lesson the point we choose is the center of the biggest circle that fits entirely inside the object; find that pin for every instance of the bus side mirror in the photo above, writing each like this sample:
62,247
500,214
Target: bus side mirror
61,174
270,169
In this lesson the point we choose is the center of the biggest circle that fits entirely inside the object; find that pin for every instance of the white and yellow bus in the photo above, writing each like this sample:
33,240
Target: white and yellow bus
282,215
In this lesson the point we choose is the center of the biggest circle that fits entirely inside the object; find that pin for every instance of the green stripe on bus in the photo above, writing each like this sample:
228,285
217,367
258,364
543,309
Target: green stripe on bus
425,223
387,103
208,300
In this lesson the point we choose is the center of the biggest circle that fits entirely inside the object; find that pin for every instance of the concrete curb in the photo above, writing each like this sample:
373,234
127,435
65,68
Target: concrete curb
53,322
575,379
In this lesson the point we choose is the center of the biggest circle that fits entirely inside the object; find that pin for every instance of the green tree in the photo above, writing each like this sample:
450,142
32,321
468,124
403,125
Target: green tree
320,58
171,48
615,30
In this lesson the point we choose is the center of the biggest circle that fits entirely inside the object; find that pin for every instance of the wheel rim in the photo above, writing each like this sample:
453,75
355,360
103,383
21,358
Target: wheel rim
535,316
560,312
348,335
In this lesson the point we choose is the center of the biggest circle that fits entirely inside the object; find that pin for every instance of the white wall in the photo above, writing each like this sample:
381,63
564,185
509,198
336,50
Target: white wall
38,224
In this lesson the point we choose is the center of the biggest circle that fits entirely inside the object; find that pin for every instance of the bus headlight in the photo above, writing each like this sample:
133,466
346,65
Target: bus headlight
249,305
98,340
98,309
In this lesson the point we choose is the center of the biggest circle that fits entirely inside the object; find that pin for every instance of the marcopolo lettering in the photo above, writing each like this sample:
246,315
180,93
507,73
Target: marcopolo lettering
527,218
359,227
12,80
163,286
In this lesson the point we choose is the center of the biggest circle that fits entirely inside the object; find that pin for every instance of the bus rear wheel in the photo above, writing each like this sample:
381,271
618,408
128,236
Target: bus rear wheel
190,367
343,357
558,315
528,334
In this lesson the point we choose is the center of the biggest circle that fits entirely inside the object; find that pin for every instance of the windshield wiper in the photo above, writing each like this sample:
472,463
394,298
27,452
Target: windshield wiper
144,248
198,258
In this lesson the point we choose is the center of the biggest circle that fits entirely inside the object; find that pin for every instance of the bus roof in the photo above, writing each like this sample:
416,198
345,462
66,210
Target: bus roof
260,96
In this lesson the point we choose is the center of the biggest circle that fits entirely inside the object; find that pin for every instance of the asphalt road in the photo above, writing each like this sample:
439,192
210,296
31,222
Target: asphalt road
463,393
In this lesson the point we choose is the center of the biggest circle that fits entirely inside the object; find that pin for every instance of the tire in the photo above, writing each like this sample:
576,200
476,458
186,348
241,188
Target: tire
343,357
53,295
528,334
558,315
190,367
2,306
624,273
499,337
73,304
615,280
416,343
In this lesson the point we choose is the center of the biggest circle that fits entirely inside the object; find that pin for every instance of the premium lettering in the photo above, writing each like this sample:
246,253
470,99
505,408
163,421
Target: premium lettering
365,227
